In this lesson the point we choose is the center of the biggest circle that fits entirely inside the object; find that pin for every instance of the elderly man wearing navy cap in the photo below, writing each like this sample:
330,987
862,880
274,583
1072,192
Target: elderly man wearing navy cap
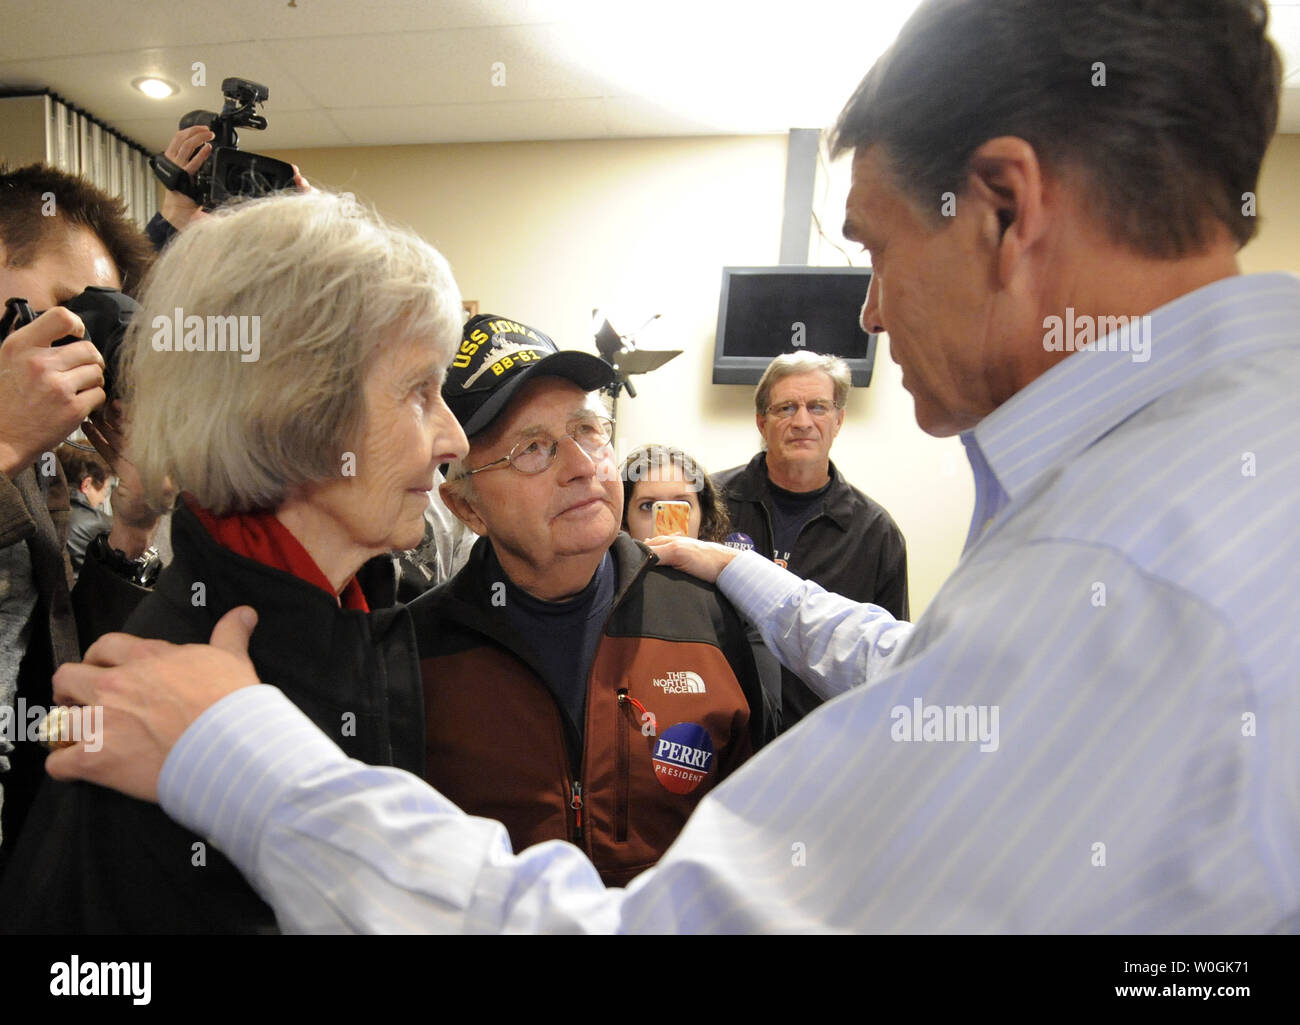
573,689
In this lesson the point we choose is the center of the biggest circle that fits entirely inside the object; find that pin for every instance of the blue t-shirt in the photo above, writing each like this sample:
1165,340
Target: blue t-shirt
790,511
563,635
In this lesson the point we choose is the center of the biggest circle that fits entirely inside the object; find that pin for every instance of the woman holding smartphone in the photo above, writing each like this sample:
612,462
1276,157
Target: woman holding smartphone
664,475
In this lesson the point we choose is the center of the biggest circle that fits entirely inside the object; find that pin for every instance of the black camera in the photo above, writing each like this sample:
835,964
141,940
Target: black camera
227,173
105,312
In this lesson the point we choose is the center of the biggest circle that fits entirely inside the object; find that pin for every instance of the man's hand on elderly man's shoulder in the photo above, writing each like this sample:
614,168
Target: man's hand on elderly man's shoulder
703,559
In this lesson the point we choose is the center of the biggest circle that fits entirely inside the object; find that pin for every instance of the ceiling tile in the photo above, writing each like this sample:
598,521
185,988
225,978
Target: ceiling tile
1284,28
457,66
402,71
102,83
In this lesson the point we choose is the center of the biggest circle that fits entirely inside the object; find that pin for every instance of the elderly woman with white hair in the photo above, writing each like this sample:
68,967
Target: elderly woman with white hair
284,376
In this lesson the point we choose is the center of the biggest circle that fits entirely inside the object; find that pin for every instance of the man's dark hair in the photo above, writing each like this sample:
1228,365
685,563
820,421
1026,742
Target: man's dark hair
1169,143
78,465
25,229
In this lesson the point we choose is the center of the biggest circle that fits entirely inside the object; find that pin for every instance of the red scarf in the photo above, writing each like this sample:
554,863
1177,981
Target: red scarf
261,537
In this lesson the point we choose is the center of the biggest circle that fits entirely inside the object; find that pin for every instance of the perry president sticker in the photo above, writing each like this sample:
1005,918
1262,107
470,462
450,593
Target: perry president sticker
738,540
683,756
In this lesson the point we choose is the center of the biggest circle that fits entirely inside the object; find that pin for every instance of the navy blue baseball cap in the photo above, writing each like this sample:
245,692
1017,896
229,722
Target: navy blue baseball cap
497,357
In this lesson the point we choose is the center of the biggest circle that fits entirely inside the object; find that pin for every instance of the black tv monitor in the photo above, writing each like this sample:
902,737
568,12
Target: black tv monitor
766,311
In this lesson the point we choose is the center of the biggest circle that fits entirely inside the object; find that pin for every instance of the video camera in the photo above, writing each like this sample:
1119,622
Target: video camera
227,173
105,312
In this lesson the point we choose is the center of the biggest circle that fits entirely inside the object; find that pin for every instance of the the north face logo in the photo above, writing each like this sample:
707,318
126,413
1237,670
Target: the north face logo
680,683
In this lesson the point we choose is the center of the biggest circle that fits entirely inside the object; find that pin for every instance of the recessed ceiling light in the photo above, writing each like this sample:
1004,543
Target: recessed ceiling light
155,88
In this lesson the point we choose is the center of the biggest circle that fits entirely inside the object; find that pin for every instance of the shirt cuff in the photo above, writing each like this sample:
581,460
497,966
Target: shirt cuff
160,231
236,762
758,587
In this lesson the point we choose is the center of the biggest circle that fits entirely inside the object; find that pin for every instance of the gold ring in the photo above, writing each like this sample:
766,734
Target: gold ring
56,726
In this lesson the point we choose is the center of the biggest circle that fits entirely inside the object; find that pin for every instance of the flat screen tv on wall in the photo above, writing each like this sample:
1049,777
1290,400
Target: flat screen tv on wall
766,311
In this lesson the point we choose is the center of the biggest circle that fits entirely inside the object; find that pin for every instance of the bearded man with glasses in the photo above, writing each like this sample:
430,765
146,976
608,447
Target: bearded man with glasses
791,504
573,689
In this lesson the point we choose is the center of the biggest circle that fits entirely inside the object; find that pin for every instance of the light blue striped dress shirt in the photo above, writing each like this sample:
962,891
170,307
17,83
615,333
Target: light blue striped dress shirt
1094,727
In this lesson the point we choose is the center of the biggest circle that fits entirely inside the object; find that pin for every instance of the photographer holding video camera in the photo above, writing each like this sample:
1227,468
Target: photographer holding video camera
58,235
202,167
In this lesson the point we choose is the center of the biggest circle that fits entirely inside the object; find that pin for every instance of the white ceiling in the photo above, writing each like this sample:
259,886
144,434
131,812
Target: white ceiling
380,72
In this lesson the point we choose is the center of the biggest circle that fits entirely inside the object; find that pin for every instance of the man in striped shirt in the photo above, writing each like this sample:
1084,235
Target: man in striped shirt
1092,726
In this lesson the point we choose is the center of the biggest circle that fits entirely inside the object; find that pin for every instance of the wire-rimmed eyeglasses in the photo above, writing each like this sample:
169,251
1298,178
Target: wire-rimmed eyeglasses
533,455
817,408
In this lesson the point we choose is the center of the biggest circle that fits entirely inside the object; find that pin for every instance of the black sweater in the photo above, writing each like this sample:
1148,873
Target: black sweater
850,545
93,860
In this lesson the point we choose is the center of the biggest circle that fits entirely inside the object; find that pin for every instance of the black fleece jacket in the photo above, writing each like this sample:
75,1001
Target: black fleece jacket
92,860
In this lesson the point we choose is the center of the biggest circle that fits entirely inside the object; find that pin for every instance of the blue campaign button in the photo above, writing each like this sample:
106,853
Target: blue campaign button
683,756
738,540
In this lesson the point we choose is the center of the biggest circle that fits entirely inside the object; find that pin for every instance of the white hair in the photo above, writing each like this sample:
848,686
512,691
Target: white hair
331,284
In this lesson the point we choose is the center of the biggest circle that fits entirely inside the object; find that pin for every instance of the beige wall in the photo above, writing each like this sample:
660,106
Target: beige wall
544,231
1277,246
